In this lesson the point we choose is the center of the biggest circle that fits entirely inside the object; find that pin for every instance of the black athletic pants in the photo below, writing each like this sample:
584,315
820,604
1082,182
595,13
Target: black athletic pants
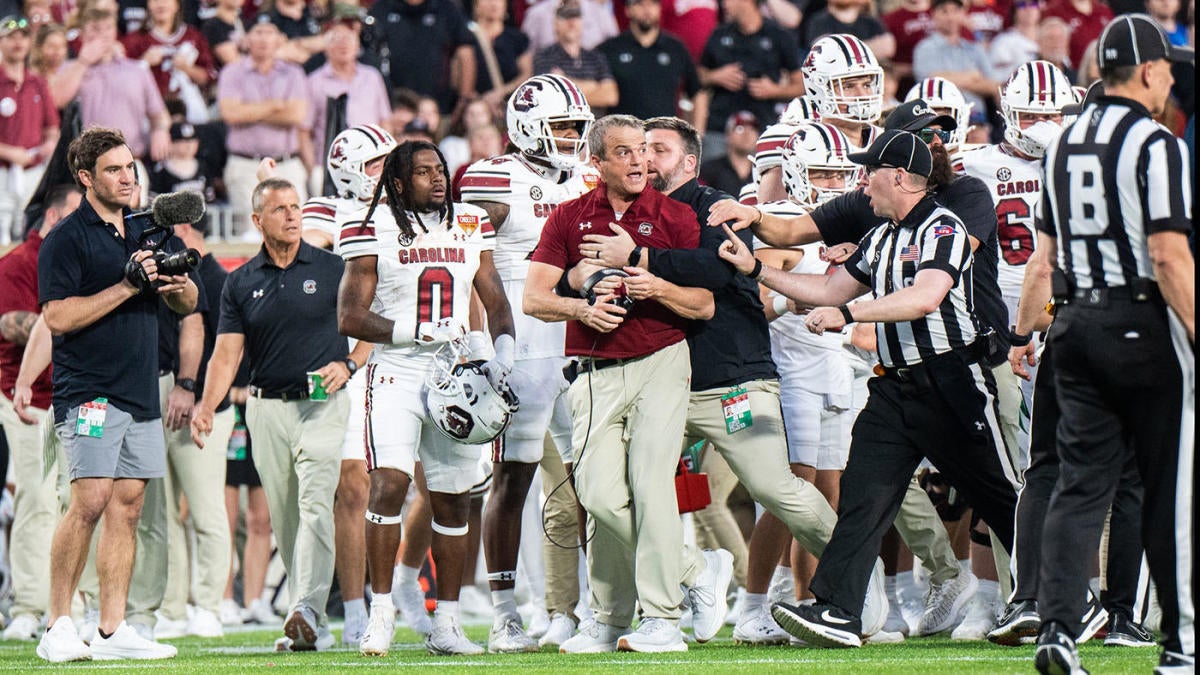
1121,391
938,411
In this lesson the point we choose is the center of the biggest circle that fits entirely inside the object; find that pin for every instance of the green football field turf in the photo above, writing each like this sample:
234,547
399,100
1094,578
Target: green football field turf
246,651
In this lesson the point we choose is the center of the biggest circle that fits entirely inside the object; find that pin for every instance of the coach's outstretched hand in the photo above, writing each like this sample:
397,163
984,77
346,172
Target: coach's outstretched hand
738,216
734,252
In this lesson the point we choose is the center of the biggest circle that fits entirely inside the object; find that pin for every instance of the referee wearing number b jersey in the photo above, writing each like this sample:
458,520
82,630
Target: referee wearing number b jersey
1116,211
931,396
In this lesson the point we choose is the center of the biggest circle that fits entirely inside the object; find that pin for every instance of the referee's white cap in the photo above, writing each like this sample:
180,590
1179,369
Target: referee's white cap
1132,39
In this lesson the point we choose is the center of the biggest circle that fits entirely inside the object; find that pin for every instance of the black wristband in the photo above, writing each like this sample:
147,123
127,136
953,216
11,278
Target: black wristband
1019,340
350,365
757,271
635,256
186,384
846,315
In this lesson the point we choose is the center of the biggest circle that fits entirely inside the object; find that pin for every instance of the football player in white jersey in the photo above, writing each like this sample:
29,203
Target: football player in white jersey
548,121
354,162
1032,103
844,82
945,98
411,265
815,373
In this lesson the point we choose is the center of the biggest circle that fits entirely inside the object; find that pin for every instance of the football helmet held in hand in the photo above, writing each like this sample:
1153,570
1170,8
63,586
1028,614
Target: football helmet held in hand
462,402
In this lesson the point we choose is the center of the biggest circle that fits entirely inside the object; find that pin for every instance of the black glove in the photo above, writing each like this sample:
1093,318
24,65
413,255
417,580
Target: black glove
136,275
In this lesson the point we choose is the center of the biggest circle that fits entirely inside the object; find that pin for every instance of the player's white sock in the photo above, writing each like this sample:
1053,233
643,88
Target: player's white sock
383,600
446,609
504,606
988,590
754,601
889,588
905,583
356,610
407,575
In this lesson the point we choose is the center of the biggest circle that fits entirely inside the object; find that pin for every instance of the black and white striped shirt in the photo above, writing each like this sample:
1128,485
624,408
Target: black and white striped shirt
888,259
1113,178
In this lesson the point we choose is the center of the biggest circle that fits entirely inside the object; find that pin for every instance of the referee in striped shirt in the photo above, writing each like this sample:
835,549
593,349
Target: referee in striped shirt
929,398
1116,212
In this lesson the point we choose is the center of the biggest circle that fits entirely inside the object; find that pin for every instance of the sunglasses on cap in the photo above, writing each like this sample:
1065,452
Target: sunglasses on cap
14,24
929,133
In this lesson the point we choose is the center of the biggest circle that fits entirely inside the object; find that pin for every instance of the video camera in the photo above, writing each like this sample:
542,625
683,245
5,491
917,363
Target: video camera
167,210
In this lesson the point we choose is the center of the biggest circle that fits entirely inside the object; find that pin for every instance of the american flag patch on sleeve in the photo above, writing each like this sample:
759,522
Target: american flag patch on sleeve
910,253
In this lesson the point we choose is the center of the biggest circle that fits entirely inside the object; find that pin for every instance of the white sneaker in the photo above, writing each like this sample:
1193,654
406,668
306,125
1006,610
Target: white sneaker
301,628
947,603
24,628
205,624
353,630
230,613
60,643
734,616
510,638
539,621
411,601
125,643
758,627
260,612
562,627
707,596
979,621
875,604
377,639
886,637
593,638
653,635
91,621
169,629
448,639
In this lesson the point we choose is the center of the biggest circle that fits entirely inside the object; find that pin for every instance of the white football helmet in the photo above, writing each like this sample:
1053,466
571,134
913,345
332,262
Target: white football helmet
799,110
817,147
461,401
1080,93
1035,87
541,101
946,99
349,154
833,59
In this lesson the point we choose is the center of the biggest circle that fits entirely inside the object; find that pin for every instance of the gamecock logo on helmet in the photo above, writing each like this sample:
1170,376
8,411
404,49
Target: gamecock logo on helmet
526,97
459,422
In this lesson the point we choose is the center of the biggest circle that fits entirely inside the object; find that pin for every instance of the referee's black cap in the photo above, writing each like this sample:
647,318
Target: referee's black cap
899,150
1132,39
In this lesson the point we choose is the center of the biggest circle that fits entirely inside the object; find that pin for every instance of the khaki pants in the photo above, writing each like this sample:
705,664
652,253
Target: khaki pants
758,457
715,525
632,417
151,562
36,511
298,455
923,532
198,475
561,538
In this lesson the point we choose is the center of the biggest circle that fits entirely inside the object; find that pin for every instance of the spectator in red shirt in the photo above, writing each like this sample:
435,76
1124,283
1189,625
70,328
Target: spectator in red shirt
1085,18
988,18
35,503
178,56
691,21
28,125
909,24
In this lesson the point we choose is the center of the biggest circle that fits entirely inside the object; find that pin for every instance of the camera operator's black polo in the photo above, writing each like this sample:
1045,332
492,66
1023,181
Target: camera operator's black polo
117,356
288,316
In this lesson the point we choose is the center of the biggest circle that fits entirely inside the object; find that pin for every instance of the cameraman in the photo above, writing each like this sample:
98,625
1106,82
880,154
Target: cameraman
102,314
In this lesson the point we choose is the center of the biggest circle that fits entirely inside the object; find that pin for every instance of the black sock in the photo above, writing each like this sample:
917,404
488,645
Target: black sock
103,634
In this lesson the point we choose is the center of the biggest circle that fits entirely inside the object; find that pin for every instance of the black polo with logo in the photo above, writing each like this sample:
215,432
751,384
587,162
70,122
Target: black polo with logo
650,79
288,316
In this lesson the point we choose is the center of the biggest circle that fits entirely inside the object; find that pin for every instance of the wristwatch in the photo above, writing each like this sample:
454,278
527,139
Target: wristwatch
350,365
186,384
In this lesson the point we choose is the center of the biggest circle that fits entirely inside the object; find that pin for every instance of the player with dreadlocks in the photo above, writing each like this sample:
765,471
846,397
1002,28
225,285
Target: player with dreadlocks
411,265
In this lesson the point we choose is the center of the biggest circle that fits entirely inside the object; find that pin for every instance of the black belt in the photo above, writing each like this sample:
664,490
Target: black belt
258,158
918,373
1143,290
298,394
586,365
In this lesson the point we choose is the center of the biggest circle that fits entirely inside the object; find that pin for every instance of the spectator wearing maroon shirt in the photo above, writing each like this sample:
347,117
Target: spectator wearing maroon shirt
28,124
35,503
988,18
178,56
1085,18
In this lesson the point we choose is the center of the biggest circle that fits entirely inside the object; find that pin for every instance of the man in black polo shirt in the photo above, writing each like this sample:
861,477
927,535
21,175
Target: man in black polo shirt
650,67
929,401
750,63
281,309
106,406
416,41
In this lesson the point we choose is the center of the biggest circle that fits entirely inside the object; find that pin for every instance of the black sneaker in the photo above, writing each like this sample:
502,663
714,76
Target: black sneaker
822,624
1094,618
1018,624
1056,652
1174,663
1123,631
